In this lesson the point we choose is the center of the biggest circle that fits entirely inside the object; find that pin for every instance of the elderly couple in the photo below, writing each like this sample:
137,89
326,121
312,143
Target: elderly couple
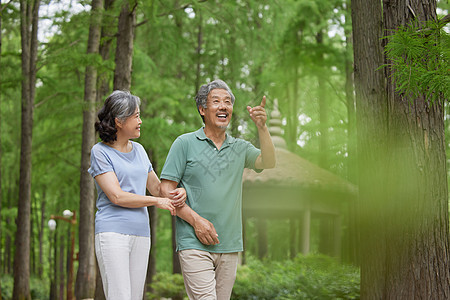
201,183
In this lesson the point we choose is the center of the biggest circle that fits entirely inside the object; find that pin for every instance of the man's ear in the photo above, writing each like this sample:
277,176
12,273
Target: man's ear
201,110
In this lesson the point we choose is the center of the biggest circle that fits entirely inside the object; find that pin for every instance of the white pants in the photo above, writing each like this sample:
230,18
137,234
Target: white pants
208,276
122,260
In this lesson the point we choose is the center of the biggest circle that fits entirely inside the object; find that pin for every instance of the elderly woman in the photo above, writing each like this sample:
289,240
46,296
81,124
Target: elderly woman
122,173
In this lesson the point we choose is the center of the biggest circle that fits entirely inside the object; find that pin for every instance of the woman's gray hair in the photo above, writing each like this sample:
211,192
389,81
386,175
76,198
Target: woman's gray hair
205,89
120,105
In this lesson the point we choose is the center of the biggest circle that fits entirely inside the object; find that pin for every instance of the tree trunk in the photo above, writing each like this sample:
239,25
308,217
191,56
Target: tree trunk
261,228
103,83
29,14
99,294
41,235
85,282
198,52
351,253
8,243
61,277
104,76
292,112
53,265
371,116
1,194
402,168
151,272
323,107
417,263
176,267
124,49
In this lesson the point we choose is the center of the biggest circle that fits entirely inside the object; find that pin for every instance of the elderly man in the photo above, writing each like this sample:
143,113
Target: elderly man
209,164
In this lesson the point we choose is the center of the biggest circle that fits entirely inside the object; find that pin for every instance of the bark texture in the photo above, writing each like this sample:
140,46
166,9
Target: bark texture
402,166
371,116
418,260
86,275
29,14
124,48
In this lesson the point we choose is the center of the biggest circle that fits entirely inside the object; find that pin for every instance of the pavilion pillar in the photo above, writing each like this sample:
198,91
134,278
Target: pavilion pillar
293,237
261,227
327,237
337,235
305,230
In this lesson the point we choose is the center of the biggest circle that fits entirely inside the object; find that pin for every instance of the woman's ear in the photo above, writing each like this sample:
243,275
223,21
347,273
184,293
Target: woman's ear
118,123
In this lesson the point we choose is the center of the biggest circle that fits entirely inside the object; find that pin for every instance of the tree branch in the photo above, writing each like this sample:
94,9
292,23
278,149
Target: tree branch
445,19
184,6
2,7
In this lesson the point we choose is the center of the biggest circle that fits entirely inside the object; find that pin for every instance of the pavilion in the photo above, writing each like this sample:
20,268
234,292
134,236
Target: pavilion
299,191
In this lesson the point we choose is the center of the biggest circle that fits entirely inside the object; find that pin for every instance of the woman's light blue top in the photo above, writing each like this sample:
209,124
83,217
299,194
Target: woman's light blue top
132,170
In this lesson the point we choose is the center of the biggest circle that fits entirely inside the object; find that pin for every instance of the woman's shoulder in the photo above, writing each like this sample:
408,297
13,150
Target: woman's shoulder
101,149
100,146
137,146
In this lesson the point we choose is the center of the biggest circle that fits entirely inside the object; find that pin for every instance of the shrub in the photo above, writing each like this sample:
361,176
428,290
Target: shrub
7,286
306,277
166,285
38,288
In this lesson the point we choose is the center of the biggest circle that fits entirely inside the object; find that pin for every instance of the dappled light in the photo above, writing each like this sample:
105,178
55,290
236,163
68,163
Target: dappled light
356,99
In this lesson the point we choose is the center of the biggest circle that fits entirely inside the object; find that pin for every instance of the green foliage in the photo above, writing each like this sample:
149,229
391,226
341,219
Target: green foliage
166,285
38,288
7,285
419,57
306,277
256,46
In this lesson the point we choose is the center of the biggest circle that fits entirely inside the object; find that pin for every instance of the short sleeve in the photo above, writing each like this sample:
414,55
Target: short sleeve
143,156
100,162
251,154
175,164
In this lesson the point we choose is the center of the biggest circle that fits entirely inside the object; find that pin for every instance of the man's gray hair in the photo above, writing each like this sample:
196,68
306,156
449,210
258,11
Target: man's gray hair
205,89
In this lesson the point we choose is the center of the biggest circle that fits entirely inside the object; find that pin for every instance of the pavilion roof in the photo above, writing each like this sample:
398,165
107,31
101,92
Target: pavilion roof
292,170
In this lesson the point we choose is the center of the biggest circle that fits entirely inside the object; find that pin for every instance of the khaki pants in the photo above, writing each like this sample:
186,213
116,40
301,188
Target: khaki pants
208,275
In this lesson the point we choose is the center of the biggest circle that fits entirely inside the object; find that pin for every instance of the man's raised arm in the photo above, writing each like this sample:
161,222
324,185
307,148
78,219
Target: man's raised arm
266,160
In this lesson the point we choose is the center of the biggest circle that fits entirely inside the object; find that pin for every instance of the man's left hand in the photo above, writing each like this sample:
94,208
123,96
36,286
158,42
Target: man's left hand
258,113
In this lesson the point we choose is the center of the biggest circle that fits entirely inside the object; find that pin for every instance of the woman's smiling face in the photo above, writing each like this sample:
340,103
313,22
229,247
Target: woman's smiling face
131,127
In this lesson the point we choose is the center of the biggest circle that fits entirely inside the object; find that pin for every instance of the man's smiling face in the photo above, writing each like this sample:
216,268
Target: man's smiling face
219,109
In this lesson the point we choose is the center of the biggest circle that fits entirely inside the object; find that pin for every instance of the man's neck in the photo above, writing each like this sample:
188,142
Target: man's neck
217,135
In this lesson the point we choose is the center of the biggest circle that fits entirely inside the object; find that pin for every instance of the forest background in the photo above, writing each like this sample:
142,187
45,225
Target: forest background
296,52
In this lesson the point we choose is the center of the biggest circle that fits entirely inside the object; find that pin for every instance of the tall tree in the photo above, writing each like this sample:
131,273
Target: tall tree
85,282
402,168
29,15
418,249
351,252
124,48
106,39
371,113
1,195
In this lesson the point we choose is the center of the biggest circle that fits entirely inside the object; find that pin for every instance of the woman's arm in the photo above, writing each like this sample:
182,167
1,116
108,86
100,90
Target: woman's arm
153,184
110,186
204,230
177,195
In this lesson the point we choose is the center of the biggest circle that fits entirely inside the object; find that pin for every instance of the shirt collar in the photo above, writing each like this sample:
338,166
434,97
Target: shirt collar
200,134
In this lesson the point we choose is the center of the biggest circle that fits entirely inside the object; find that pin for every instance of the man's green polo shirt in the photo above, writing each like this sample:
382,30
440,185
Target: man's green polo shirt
213,182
